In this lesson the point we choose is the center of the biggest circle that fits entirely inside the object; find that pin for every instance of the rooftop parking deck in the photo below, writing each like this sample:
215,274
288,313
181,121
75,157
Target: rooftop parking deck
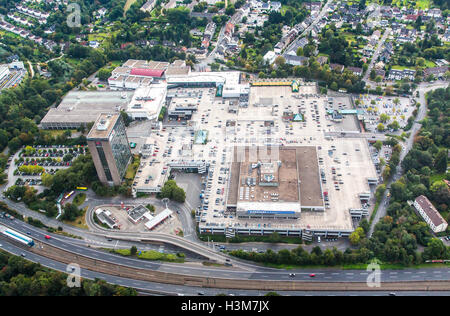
261,125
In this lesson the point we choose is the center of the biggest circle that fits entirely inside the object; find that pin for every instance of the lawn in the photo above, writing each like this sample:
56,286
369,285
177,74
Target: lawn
79,199
97,37
437,177
56,133
132,168
429,64
420,4
149,255
398,67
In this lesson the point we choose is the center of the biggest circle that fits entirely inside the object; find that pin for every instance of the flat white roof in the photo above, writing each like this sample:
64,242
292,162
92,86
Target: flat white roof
158,219
148,99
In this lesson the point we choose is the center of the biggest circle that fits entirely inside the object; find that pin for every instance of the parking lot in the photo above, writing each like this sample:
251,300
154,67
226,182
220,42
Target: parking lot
48,159
374,106
269,122
13,79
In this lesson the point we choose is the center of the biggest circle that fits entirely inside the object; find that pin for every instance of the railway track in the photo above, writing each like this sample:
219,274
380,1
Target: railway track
123,271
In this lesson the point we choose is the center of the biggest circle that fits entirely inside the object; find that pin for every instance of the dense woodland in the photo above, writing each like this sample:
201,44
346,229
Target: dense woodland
19,277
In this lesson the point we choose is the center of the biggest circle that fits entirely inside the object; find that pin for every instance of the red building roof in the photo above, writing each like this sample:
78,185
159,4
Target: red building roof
147,72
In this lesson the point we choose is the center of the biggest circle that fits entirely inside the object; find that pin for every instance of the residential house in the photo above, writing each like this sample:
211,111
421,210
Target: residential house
430,214
296,60
356,70
337,67
435,71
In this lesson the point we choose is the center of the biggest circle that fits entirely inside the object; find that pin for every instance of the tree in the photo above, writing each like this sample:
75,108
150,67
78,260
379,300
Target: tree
440,161
380,192
355,238
47,179
178,195
230,10
380,127
378,145
384,118
436,250
386,173
67,157
280,61
394,125
133,250
104,74
71,212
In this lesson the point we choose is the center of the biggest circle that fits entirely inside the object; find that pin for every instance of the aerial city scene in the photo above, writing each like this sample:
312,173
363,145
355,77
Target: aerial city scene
246,148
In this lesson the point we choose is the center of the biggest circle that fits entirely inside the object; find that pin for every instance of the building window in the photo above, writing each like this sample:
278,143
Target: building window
103,160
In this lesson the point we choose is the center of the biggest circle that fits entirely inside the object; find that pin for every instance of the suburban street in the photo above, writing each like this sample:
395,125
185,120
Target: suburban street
305,32
374,58
422,89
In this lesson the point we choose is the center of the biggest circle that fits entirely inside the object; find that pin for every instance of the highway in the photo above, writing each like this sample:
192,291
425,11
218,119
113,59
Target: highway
258,273
169,289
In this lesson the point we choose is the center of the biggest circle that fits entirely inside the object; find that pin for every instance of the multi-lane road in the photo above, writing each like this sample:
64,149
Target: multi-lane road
256,273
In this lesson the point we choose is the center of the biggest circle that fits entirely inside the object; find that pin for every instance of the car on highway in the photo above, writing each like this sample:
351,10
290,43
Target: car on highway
47,237
292,275
312,275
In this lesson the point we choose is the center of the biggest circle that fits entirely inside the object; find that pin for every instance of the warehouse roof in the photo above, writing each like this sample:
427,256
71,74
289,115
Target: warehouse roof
147,72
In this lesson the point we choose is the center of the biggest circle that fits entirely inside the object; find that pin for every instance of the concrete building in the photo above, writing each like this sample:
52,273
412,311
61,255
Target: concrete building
105,217
148,6
138,214
147,102
158,219
79,108
279,183
430,214
109,147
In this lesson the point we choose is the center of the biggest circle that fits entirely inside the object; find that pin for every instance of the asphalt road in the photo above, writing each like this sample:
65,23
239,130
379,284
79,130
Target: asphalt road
259,273
305,32
169,289
422,89
376,53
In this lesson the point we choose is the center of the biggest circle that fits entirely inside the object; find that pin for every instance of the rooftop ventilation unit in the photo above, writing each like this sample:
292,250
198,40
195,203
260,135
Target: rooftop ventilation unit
102,125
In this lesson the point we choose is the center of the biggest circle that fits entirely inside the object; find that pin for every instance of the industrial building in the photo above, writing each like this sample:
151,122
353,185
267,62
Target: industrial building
109,147
79,108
